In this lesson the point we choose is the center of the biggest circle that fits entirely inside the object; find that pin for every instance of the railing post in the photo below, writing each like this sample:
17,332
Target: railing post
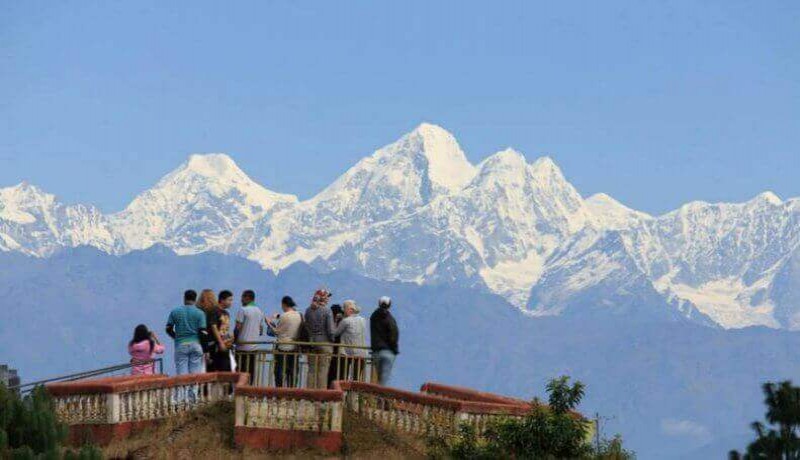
112,408
336,416
240,403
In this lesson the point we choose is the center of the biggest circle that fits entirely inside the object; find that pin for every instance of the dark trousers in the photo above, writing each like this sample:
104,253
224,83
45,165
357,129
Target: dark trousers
285,369
220,362
247,363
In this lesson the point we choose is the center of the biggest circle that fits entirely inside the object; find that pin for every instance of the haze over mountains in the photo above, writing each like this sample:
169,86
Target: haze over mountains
417,210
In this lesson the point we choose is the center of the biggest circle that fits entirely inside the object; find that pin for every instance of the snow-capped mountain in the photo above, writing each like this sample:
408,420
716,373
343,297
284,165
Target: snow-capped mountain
35,223
394,181
417,210
496,232
196,207
726,261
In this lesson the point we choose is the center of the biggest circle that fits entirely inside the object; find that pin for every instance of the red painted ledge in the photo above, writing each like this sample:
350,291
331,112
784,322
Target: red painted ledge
274,439
105,434
139,382
468,394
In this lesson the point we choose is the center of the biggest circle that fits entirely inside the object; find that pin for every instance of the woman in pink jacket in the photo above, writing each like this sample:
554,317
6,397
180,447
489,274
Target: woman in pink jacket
143,348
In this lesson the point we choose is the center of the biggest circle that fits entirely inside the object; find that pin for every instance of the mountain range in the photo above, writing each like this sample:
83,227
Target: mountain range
418,211
672,389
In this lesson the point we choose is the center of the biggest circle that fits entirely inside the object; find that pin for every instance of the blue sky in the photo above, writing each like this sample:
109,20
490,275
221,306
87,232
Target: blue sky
655,103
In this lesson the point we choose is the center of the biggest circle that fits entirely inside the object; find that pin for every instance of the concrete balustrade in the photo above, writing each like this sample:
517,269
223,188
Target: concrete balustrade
288,418
105,409
423,413
273,418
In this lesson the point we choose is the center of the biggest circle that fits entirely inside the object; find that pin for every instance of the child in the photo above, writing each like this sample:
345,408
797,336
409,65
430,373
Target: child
143,348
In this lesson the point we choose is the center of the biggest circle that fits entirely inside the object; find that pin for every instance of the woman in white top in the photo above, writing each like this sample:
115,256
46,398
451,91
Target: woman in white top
353,331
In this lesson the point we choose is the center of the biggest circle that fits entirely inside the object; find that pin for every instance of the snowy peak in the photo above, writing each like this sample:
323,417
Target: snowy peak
506,166
447,166
610,214
507,159
395,180
197,206
213,165
35,223
20,202
217,173
767,198
545,167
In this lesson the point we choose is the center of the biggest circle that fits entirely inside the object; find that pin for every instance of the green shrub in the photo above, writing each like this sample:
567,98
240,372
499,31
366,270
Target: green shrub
547,432
29,429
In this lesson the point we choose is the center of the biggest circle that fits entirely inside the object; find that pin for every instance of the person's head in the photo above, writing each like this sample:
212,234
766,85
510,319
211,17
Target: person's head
350,308
321,298
208,300
225,299
248,297
337,311
287,303
140,333
385,302
189,297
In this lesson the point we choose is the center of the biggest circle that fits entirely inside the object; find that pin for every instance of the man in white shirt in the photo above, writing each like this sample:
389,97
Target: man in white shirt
249,328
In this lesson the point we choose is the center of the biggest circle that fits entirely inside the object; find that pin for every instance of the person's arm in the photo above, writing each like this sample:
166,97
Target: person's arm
239,325
218,338
341,328
157,347
330,326
394,333
170,326
202,331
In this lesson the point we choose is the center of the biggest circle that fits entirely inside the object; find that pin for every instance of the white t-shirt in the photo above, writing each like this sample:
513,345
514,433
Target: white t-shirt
252,319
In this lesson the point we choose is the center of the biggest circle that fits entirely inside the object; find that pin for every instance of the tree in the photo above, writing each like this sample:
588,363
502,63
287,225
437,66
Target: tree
780,439
29,428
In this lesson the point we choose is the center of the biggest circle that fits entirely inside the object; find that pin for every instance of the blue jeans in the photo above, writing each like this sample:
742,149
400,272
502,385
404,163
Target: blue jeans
188,360
383,360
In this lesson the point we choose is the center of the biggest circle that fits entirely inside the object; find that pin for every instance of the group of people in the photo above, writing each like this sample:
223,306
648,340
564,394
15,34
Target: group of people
204,341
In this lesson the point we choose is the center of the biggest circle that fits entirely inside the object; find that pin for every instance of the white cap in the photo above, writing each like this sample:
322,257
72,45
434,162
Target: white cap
385,300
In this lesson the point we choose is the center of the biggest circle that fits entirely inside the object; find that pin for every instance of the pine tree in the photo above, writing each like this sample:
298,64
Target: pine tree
780,439
29,428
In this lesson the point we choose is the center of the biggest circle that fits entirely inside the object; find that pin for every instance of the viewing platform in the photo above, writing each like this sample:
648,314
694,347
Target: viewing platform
294,416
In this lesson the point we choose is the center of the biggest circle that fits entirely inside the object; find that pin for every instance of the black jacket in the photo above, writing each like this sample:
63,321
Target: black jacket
383,330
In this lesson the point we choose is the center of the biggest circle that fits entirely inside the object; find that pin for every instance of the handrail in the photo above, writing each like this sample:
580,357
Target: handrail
26,387
306,344
133,383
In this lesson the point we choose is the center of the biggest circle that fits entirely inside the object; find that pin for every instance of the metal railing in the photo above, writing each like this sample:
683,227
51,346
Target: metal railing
304,364
119,369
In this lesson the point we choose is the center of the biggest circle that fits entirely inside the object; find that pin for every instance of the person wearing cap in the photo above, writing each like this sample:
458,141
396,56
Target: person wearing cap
320,325
286,328
384,339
